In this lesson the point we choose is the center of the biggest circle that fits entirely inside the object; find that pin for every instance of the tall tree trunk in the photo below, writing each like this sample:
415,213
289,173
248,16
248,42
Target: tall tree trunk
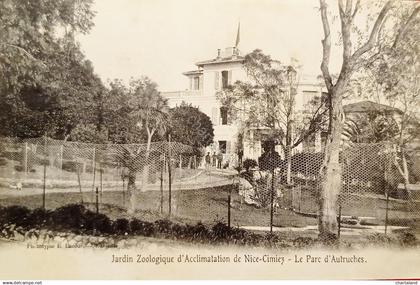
288,158
330,173
131,188
144,179
403,170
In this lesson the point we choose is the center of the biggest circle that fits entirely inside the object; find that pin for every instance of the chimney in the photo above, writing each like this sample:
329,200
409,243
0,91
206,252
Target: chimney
234,52
218,54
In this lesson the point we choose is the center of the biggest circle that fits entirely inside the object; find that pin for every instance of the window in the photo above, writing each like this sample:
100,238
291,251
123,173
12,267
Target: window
216,80
222,146
196,83
225,78
224,115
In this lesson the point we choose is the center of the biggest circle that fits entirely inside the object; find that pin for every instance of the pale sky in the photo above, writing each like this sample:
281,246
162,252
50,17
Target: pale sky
163,38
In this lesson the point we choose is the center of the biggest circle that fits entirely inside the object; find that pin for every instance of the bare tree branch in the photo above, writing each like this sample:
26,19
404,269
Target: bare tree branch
356,9
374,33
345,32
326,46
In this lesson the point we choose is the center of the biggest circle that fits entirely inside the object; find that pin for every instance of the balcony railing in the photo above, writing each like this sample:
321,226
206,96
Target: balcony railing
180,94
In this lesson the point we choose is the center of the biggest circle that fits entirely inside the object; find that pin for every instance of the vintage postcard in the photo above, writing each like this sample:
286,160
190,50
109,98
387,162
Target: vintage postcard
234,139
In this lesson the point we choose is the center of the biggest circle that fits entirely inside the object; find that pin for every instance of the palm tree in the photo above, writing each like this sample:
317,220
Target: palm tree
150,112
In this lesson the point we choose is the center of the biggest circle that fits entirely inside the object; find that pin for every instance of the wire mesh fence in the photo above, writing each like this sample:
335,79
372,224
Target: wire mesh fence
380,191
380,184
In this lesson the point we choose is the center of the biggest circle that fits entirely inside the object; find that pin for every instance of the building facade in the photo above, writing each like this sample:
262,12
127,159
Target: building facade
212,76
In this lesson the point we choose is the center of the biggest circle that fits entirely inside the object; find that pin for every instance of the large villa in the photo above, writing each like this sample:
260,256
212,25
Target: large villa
212,76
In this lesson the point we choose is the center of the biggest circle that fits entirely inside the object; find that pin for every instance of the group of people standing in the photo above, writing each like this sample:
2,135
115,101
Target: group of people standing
214,160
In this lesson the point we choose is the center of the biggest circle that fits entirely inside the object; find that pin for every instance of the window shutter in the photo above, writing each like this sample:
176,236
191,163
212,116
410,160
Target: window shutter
230,77
200,87
216,80
191,83
215,116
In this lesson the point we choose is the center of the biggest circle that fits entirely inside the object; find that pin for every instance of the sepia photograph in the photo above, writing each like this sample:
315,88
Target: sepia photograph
224,139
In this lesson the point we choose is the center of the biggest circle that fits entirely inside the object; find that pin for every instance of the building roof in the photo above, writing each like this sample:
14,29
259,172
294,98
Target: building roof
232,58
193,72
369,106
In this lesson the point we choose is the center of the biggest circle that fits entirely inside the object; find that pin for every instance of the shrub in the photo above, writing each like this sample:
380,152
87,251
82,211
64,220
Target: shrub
178,230
70,216
121,226
98,222
19,168
407,239
17,215
3,161
221,231
249,163
142,228
163,226
39,217
271,239
239,235
301,242
198,232
379,238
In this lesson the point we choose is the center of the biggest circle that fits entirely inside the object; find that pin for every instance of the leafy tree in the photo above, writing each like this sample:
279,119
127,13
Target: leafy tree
268,101
353,58
396,71
372,127
190,126
136,113
40,71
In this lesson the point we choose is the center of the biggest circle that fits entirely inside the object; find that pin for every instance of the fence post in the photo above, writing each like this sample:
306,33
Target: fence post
180,161
195,162
97,200
161,185
43,188
123,191
93,170
300,198
170,177
229,201
45,174
386,212
61,156
100,181
339,220
94,157
272,199
80,184
25,157
164,162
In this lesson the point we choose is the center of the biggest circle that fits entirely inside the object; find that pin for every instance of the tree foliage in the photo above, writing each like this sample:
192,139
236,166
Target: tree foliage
268,101
190,126
45,80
